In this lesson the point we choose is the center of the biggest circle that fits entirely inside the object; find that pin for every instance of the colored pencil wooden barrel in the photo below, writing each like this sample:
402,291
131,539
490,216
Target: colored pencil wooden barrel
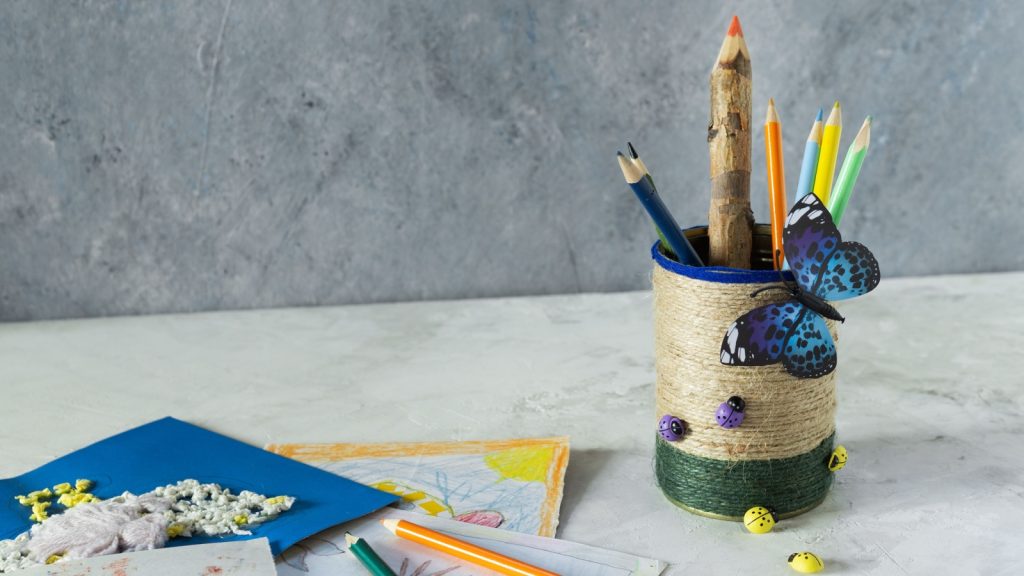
777,456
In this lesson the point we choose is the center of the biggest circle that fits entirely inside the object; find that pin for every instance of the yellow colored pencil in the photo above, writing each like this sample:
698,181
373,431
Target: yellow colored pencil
829,152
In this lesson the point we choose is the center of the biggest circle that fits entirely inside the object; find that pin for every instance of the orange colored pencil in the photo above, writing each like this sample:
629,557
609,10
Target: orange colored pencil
460,549
776,180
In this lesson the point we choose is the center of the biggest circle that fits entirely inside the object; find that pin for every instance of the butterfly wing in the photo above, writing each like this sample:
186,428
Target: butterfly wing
851,271
809,239
759,337
809,351
821,262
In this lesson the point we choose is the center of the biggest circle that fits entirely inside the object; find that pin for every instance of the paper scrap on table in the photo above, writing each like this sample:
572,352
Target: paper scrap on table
168,450
244,558
512,484
326,554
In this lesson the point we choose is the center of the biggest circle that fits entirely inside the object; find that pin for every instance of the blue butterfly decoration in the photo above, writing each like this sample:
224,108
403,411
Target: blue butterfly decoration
794,332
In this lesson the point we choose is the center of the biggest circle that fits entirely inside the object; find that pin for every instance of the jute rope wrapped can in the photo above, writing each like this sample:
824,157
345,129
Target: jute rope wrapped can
777,457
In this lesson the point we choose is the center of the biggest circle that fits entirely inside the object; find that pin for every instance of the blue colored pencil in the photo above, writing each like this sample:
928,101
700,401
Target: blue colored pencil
647,174
645,191
810,165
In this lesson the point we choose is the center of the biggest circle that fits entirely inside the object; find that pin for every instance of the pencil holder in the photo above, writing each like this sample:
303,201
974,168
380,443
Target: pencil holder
777,456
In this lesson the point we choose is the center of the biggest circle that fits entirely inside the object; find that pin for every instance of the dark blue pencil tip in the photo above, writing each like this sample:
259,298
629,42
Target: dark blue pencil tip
632,151
619,154
820,112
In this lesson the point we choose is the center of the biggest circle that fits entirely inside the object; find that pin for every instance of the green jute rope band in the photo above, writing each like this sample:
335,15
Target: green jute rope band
727,489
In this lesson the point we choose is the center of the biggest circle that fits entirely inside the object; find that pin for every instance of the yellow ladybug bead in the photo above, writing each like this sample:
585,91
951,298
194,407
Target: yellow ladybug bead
838,459
759,520
805,563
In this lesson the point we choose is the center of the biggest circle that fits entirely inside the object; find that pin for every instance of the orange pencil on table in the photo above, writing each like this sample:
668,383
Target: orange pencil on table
458,548
776,180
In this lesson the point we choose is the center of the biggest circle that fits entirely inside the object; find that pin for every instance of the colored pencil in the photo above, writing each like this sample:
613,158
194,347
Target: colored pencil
643,168
369,559
730,219
460,549
848,173
810,164
829,151
658,212
776,179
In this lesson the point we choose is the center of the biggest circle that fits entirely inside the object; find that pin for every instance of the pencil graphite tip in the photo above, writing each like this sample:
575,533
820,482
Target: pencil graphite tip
863,138
734,27
835,117
772,115
630,171
632,151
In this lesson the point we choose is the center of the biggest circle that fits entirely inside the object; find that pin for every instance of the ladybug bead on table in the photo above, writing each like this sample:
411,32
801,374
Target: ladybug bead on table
671,428
759,520
730,413
838,459
805,562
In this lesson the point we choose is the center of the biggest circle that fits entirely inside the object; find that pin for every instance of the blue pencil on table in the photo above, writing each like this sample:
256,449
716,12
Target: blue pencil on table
643,186
810,165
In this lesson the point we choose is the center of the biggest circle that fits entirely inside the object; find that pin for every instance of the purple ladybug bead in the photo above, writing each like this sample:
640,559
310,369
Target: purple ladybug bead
730,413
671,428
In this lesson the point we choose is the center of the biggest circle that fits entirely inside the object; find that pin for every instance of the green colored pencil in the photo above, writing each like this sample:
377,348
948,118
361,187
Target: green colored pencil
848,173
373,563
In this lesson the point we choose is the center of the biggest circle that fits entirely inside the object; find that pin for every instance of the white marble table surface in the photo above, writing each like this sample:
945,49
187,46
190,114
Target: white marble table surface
931,403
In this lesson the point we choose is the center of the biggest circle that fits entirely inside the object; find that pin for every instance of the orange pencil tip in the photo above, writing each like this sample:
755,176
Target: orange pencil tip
734,27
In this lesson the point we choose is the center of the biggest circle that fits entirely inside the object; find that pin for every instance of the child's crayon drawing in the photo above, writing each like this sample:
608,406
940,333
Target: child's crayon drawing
512,484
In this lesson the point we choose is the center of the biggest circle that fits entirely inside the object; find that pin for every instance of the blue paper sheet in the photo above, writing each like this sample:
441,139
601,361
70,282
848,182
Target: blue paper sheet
168,450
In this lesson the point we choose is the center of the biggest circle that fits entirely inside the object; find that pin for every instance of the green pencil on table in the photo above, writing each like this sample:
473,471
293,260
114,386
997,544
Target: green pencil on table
369,559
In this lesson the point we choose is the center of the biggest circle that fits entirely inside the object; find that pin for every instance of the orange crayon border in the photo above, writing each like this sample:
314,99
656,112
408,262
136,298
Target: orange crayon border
340,452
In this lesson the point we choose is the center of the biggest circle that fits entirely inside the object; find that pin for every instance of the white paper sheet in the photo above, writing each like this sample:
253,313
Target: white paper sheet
236,558
326,553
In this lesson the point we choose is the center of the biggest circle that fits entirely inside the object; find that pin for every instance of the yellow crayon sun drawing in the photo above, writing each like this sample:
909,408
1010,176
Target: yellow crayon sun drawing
528,464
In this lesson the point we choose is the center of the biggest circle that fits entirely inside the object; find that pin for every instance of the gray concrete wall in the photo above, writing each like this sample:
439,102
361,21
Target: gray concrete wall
180,156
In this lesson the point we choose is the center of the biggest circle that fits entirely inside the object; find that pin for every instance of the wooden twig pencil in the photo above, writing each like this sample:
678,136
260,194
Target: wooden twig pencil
730,219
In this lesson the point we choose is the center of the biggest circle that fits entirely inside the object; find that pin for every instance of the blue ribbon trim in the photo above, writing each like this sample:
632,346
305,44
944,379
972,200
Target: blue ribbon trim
719,274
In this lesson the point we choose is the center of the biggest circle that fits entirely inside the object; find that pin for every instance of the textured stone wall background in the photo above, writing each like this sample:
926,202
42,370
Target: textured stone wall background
184,156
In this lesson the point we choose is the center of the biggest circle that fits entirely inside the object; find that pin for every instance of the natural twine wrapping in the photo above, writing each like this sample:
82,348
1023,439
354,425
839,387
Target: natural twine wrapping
777,457
785,416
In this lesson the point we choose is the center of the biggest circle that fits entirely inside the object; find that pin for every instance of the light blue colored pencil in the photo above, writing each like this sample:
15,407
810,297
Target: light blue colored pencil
810,165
